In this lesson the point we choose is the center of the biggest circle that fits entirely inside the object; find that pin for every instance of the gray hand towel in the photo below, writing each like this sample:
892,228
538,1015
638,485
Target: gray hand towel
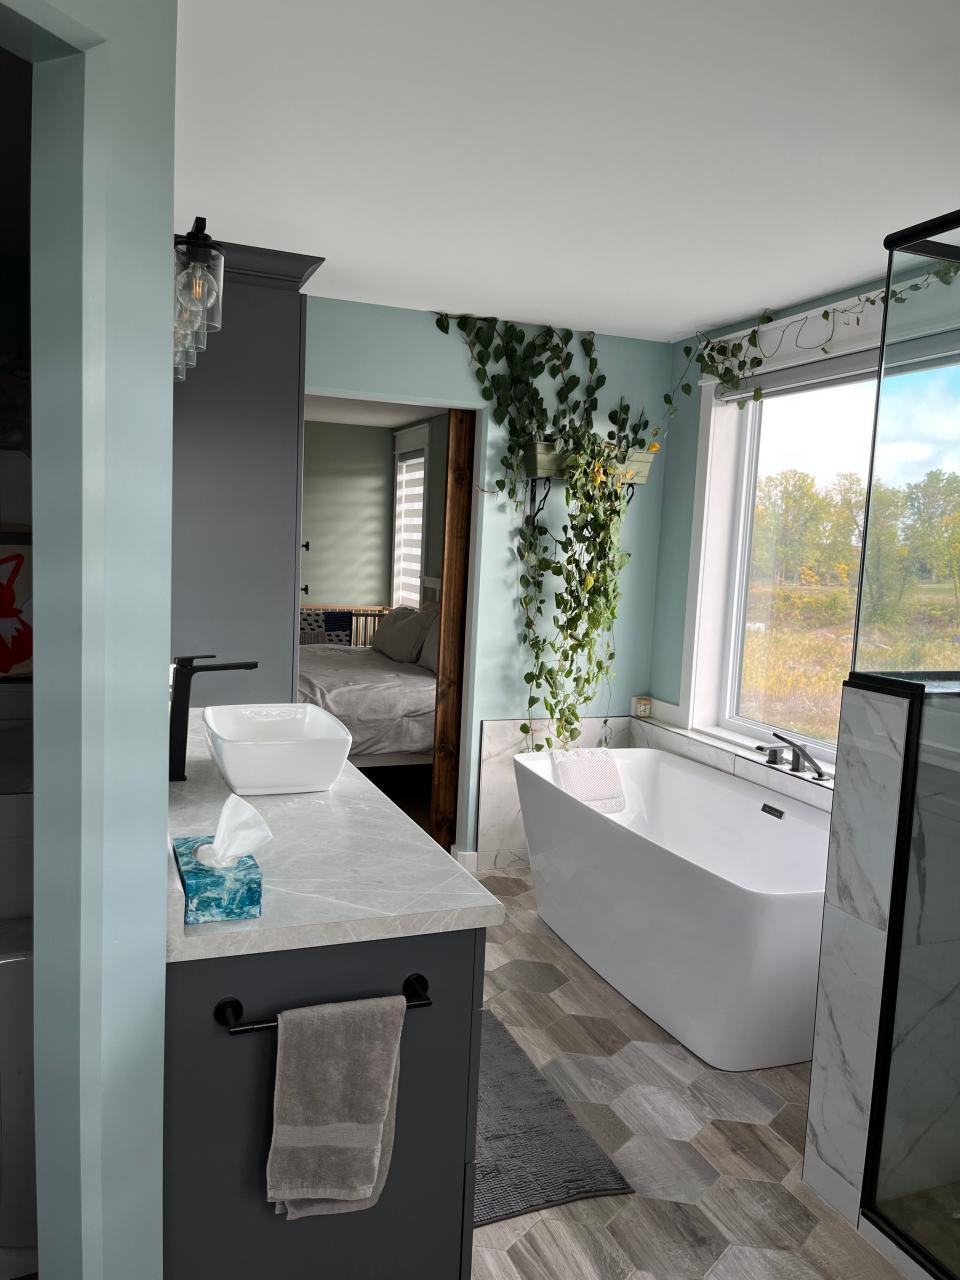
334,1105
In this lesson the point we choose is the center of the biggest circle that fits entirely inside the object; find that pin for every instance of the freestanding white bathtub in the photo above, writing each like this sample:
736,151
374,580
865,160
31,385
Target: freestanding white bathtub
701,902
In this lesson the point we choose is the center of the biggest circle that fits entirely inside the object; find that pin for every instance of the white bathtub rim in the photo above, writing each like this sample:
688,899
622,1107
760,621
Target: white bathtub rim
526,758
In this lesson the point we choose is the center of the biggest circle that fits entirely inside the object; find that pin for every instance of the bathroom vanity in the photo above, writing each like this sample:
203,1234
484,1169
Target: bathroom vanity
356,899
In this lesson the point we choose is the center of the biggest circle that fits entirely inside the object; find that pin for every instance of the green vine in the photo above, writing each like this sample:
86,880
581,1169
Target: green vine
732,362
569,582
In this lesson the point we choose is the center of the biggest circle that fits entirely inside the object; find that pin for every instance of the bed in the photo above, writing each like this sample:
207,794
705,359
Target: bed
388,706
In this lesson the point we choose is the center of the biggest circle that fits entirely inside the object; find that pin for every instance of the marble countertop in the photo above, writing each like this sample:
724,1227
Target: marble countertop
344,865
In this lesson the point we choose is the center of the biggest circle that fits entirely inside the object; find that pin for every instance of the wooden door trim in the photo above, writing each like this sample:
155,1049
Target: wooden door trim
455,576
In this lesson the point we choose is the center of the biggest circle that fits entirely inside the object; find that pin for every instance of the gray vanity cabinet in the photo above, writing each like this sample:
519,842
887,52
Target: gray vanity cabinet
218,1117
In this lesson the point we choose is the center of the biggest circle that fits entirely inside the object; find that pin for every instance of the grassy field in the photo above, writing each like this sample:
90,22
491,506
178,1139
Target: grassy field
793,670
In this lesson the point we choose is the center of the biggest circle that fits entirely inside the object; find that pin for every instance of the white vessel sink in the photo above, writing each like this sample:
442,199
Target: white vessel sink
276,748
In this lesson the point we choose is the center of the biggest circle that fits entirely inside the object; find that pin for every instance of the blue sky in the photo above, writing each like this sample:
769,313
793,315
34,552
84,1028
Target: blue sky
828,430
919,425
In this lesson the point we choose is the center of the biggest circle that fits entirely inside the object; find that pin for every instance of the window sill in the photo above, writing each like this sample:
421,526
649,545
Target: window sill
734,753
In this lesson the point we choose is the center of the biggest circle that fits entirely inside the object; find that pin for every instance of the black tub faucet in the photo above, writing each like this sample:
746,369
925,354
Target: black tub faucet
799,756
183,673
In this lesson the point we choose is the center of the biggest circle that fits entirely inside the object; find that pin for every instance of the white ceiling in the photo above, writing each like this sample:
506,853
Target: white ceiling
638,167
364,413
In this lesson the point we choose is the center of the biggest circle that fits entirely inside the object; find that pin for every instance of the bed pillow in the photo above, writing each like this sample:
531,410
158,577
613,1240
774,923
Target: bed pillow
430,653
401,634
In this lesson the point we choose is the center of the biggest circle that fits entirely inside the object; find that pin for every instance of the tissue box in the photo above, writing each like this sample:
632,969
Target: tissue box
217,893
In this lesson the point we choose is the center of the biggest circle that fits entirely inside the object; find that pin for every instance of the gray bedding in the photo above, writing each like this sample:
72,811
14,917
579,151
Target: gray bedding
387,706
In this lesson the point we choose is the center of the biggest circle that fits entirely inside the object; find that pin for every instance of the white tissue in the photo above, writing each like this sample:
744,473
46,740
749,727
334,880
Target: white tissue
240,830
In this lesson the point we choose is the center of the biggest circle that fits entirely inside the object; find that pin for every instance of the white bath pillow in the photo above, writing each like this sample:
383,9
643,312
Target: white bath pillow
590,775
401,634
430,653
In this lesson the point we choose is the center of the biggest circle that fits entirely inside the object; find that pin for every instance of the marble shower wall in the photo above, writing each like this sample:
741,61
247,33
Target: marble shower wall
863,831
500,837
922,1133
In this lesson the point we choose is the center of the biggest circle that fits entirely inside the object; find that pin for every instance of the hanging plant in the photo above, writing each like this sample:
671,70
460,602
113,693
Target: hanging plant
732,361
569,582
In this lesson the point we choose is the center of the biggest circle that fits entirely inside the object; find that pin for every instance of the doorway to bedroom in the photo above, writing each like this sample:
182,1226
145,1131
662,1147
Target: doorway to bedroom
385,515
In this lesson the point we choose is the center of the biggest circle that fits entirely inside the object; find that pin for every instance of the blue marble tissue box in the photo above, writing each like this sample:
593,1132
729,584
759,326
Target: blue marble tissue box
217,893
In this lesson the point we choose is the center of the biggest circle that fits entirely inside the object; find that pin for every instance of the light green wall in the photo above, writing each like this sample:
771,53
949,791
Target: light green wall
102,218
673,554
676,525
348,476
387,353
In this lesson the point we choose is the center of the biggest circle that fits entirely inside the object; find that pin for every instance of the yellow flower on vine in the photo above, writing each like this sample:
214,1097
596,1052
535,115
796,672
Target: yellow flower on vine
654,448
588,582
599,474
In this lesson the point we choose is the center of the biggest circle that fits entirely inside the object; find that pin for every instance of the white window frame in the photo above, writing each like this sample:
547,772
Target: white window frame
410,440
729,720
726,486
718,531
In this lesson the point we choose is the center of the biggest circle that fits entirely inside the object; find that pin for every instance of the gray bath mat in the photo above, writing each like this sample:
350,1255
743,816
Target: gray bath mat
531,1152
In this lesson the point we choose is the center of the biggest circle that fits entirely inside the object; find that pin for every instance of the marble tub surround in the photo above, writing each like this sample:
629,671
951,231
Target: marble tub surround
714,1157
344,865
730,757
501,841
873,729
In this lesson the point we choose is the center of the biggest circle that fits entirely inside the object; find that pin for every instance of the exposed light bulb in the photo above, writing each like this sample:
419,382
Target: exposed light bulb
198,295
196,288
183,343
190,317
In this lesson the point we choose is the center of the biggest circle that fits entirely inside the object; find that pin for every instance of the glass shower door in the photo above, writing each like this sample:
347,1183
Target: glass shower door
908,625
909,609
917,1165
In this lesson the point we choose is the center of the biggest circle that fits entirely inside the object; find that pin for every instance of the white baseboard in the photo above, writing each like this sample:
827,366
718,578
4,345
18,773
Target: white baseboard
467,860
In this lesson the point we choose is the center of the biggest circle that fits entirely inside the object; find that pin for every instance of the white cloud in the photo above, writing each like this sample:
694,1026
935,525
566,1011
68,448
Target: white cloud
828,430
919,425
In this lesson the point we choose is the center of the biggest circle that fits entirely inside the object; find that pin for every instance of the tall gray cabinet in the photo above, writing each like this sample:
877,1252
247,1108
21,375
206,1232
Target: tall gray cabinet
237,445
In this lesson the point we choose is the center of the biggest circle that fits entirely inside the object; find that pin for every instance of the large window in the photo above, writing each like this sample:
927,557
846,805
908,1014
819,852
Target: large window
411,466
797,558
910,608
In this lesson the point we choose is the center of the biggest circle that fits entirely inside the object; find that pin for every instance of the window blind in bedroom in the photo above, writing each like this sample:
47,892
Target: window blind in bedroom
408,527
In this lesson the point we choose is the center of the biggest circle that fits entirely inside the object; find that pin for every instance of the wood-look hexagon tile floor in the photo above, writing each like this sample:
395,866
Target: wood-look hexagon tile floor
529,975
713,1154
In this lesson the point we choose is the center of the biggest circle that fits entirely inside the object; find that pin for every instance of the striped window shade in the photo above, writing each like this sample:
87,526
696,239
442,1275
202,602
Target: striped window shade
408,527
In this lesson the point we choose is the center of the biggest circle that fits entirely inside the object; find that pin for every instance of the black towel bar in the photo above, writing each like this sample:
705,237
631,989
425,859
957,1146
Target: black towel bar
229,1011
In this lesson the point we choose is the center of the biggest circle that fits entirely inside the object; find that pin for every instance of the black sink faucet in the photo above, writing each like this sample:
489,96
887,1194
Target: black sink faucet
183,673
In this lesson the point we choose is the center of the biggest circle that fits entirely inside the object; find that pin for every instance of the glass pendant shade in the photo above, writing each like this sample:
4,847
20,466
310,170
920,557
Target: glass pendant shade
213,315
198,294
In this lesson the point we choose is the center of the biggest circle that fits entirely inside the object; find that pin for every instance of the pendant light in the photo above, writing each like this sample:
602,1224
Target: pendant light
198,295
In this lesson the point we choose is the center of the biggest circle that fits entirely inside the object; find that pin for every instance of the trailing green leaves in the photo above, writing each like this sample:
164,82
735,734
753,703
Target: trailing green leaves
568,584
